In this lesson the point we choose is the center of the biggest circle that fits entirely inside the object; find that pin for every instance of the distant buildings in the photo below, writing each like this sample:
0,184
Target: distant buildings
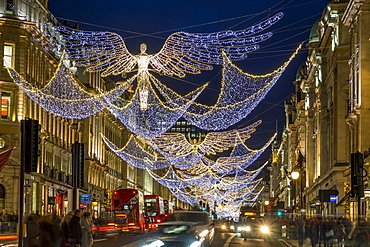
327,118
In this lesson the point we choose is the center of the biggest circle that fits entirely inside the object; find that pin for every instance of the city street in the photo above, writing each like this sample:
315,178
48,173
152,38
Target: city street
221,240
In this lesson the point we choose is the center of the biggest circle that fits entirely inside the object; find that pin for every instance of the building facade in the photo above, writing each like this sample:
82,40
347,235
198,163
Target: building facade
317,136
49,189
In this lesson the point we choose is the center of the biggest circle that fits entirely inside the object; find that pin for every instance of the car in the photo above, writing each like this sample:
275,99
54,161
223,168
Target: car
224,226
176,234
258,228
202,223
106,230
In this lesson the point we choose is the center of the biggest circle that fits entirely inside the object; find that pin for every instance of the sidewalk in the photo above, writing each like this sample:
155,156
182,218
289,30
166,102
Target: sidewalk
294,242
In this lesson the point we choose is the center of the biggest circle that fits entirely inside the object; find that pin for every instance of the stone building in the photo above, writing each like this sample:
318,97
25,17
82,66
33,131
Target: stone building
357,18
318,146
49,189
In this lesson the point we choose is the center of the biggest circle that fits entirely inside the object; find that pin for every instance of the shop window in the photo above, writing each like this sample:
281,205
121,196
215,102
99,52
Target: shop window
5,105
8,55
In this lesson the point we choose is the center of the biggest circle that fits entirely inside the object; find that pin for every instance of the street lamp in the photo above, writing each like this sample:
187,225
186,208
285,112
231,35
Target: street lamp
295,175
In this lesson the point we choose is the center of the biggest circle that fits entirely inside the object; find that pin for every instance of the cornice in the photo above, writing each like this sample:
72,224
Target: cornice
351,11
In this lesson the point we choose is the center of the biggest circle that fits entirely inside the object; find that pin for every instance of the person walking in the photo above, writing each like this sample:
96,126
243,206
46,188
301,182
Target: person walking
47,236
32,231
86,225
328,231
75,230
314,232
64,229
300,224
339,232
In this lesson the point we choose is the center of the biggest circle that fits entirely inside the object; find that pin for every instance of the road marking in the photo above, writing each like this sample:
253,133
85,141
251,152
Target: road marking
226,244
100,239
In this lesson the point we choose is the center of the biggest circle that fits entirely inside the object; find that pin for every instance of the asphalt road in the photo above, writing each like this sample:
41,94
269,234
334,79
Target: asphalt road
221,240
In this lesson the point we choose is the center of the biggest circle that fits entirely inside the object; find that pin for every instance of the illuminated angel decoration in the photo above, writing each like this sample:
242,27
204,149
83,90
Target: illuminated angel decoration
136,154
182,52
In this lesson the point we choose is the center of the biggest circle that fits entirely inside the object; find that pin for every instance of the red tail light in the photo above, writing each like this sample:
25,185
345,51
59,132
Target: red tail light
158,220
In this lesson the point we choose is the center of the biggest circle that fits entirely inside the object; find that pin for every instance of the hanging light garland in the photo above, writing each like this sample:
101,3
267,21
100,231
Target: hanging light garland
64,96
137,155
190,176
182,52
240,93
148,116
151,117
177,178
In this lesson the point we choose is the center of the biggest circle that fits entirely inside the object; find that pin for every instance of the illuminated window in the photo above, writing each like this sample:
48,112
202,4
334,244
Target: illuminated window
5,105
9,7
9,55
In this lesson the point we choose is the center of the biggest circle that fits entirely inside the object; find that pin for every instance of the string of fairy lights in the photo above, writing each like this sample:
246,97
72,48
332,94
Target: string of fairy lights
193,170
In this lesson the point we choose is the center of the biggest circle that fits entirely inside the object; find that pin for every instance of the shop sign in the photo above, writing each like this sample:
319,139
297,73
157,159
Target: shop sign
85,198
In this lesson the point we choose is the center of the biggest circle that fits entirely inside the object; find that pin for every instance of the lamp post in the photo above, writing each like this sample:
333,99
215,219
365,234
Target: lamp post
295,176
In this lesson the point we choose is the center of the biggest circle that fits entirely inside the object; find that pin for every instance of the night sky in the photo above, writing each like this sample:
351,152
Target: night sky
152,21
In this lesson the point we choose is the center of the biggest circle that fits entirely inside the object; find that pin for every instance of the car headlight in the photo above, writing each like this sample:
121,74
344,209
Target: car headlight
157,243
247,228
264,229
223,227
232,227
195,244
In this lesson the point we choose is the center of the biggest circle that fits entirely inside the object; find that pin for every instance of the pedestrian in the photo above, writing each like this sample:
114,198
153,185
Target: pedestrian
64,230
75,230
348,225
339,232
328,231
32,231
14,221
300,224
47,236
314,231
56,224
86,225
5,219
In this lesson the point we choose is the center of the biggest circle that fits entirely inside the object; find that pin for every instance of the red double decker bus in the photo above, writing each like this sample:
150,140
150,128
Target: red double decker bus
154,207
128,210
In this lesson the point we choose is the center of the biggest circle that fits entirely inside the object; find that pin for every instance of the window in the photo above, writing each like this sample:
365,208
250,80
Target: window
9,7
8,55
5,105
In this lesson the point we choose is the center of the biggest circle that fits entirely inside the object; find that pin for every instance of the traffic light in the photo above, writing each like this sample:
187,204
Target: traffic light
357,162
30,129
78,164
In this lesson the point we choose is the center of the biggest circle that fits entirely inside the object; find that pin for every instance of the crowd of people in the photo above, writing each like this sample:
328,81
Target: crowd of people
8,221
323,231
73,230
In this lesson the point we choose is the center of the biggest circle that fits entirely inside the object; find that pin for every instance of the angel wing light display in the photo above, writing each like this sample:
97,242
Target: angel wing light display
182,53
154,108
